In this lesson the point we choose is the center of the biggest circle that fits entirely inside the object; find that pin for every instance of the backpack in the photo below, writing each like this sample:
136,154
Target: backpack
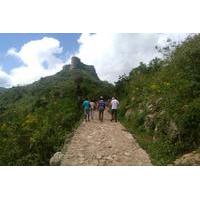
101,105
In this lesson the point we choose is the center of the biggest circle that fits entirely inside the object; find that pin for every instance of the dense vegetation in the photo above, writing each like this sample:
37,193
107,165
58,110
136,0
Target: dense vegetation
160,102
35,120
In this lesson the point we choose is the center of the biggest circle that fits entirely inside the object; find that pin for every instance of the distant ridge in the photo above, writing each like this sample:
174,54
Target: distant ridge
2,89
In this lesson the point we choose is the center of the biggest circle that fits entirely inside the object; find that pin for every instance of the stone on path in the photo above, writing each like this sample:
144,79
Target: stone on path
56,159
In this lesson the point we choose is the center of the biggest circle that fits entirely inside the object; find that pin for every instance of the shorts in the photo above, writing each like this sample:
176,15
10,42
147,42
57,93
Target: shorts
101,109
86,111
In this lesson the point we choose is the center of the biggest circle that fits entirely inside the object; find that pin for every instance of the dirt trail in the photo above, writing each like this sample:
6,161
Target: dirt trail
104,143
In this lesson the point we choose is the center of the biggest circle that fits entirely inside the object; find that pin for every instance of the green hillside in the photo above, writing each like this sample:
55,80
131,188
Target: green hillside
35,120
160,102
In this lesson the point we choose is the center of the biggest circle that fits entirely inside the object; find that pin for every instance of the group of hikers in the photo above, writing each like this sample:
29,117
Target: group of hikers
89,106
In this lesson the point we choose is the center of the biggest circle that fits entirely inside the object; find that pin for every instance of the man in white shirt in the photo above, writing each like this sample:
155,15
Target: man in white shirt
114,106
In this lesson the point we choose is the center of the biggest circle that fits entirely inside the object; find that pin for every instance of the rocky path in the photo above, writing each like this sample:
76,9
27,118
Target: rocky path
104,143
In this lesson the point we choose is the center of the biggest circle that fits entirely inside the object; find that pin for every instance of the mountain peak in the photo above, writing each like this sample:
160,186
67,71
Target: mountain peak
75,62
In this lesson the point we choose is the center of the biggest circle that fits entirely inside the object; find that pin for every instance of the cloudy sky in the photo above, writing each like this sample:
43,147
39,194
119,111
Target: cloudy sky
25,58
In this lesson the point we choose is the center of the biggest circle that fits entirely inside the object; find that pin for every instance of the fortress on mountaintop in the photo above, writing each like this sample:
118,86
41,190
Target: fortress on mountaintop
75,62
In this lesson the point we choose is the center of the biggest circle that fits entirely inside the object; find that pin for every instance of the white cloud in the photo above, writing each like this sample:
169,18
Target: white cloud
116,54
39,58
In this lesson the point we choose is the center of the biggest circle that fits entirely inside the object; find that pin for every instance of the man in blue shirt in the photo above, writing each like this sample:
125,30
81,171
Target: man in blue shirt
86,108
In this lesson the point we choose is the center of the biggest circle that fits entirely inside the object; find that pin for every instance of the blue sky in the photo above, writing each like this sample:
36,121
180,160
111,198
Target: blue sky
25,58
17,40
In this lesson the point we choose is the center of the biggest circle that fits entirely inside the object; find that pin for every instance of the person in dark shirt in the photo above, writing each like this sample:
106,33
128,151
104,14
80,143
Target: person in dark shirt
101,108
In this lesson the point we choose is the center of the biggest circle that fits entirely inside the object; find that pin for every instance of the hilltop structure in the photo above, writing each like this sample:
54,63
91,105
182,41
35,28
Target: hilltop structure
75,62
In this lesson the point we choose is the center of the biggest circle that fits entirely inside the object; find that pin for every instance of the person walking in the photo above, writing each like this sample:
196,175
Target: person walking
92,108
86,108
101,108
114,106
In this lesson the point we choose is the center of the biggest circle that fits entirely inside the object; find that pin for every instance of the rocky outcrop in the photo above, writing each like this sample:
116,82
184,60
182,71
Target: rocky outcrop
189,159
173,130
150,121
128,113
56,159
